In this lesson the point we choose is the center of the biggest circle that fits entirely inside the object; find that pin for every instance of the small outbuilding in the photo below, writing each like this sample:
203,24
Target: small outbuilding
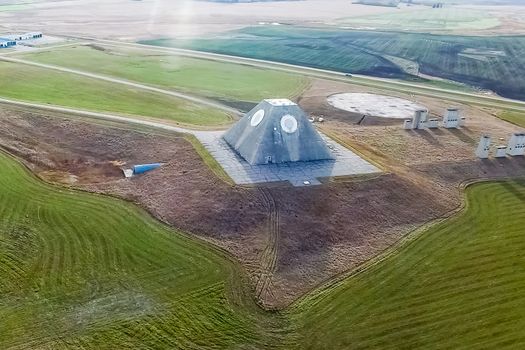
501,151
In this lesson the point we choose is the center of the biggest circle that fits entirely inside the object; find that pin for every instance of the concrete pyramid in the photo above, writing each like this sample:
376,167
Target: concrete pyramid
277,131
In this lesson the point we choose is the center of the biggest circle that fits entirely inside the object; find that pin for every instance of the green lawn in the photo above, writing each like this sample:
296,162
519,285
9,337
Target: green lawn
201,77
448,19
41,85
513,117
461,285
87,271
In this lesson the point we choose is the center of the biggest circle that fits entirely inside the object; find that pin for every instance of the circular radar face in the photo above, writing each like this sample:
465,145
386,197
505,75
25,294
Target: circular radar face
257,117
289,124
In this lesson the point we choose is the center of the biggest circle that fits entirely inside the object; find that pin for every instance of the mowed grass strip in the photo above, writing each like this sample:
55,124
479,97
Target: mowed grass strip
461,285
197,76
40,85
79,270
513,117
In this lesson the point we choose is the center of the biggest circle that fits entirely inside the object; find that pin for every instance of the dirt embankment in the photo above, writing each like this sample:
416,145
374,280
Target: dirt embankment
294,238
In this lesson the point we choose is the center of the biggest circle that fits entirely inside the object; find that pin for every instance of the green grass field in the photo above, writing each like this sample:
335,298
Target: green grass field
488,62
513,117
459,286
86,271
448,19
40,85
197,76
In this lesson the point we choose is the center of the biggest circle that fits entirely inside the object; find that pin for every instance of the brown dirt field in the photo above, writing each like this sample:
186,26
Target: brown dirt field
321,231
132,20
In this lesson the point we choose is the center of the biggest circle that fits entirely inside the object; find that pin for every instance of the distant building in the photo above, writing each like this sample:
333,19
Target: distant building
26,36
6,43
33,35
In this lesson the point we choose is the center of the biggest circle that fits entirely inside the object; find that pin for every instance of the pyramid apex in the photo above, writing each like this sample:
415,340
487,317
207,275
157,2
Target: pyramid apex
279,102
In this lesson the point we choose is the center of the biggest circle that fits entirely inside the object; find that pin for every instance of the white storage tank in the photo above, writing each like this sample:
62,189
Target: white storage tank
516,145
483,147
407,125
462,121
451,118
501,151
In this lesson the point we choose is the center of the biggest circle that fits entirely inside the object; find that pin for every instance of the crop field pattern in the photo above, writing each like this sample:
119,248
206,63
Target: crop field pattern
488,62
86,271
450,19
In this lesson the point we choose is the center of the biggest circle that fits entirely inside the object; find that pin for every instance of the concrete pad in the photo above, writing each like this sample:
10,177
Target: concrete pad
299,174
375,105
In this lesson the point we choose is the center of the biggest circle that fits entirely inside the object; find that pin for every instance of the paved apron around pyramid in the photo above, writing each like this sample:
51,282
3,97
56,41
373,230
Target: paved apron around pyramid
275,132
339,161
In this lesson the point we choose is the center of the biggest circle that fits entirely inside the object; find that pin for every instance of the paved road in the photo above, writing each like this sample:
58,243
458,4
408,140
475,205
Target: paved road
181,95
97,115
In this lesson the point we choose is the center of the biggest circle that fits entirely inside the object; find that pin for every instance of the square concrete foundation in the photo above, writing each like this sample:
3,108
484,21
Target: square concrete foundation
297,173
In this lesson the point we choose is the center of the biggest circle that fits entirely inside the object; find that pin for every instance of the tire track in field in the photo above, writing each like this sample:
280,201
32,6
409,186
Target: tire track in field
268,257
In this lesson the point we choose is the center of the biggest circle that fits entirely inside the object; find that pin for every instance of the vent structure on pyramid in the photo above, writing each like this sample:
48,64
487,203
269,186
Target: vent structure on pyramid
277,131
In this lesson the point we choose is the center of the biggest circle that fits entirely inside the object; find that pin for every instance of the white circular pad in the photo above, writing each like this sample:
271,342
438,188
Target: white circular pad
257,117
375,105
289,124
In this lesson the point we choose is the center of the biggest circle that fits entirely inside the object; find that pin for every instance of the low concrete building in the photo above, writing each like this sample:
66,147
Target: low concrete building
420,119
483,147
25,36
5,42
433,123
516,145
33,35
501,151
451,119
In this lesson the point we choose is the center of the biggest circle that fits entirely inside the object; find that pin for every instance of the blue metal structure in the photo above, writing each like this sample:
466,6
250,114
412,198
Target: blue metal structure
143,168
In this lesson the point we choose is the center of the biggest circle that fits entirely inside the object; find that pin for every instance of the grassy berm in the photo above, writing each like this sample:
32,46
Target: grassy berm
83,271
